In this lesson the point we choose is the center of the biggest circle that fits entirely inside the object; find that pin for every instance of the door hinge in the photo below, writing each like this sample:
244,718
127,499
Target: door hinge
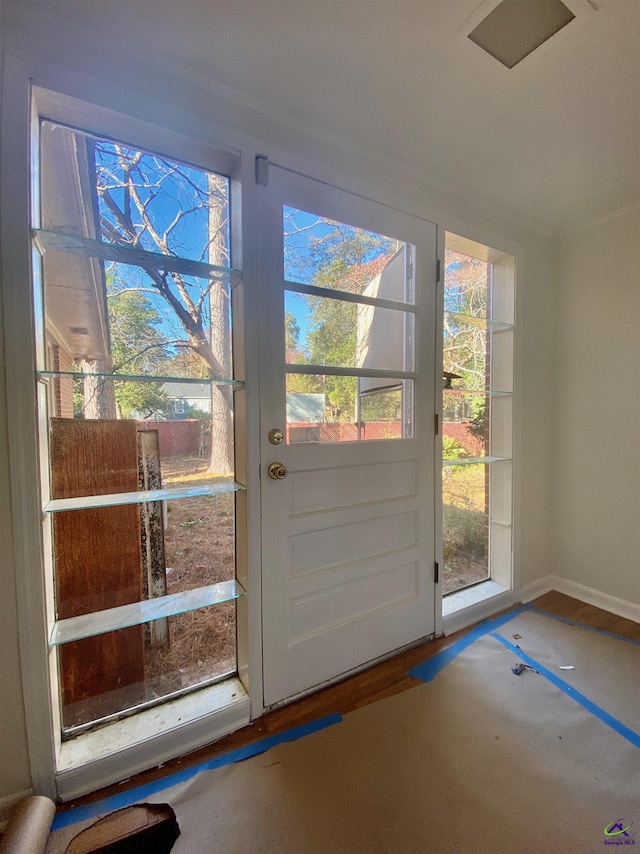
436,572
436,423
438,271
262,169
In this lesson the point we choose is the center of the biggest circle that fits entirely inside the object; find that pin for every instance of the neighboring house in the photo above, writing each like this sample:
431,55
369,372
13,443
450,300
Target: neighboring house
187,398
306,408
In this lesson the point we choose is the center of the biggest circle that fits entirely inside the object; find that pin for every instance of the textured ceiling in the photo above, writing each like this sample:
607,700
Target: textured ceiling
556,139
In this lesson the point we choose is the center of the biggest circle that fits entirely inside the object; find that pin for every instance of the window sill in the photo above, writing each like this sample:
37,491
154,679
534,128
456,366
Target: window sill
465,607
114,752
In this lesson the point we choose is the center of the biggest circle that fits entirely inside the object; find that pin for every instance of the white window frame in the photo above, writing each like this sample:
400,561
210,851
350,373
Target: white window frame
469,604
96,758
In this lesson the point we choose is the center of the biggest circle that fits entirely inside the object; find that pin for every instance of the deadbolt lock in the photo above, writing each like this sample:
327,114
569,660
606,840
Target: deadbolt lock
277,471
276,436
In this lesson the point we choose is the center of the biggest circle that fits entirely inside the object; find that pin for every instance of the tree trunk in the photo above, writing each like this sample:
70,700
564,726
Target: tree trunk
221,461
99,392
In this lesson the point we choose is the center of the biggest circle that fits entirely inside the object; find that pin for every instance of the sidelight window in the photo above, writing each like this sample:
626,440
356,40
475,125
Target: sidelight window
477,407
134,294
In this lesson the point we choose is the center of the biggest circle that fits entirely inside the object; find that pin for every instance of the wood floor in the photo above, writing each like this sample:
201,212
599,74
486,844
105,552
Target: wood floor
382,680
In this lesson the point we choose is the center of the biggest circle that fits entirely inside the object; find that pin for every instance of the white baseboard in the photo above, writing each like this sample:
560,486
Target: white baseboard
7,803
537,588
620,607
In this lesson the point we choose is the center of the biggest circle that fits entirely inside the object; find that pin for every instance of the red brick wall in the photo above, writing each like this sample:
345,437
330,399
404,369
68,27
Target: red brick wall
62,386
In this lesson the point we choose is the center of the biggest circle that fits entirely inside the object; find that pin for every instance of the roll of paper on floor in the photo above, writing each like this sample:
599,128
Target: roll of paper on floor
29,825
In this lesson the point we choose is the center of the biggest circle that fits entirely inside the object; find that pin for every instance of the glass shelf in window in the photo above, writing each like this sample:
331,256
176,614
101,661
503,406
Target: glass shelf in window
110,317
75,244
169,493
136,613
474,461
486,392
80,375
154,672
479,322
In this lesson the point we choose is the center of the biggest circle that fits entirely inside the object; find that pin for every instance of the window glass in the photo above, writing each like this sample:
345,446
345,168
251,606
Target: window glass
325,331
137,372
324,408
122,195
477,417
331,254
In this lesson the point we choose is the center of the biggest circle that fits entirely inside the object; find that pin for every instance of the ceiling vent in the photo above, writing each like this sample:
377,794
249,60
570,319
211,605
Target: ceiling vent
515,28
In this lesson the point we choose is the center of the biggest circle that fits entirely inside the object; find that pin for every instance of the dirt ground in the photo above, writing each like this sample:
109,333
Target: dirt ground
459,573
199,550
463,486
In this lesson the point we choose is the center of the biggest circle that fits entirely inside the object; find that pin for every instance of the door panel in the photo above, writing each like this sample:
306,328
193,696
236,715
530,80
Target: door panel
347,349
318,550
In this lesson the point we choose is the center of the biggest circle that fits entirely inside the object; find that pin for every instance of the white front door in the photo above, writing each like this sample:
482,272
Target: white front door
347,351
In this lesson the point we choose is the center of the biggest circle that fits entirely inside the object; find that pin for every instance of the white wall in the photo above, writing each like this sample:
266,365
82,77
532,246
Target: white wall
193,107
596,423
14,761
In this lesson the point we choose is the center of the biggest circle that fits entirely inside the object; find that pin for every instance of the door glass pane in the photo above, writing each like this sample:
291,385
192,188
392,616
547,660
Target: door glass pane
330,254
324,408
325,331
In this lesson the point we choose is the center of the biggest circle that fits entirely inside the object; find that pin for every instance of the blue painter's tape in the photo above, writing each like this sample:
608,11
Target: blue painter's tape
430,668
568,689
132,796
584,626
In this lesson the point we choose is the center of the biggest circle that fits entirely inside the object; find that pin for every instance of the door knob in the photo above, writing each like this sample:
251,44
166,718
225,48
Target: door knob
277,471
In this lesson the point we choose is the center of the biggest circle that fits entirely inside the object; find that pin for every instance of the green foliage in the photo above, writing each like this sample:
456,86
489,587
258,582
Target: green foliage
383,406
137,347
300,383
479,425
464,533
452,449
332,335
291,335
332,332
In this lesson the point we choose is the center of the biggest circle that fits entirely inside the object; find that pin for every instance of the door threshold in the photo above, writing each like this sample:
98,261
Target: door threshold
472,604
116,751
342,677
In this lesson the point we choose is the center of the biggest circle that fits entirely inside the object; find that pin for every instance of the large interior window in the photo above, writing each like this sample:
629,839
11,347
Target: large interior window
477,414
133,294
